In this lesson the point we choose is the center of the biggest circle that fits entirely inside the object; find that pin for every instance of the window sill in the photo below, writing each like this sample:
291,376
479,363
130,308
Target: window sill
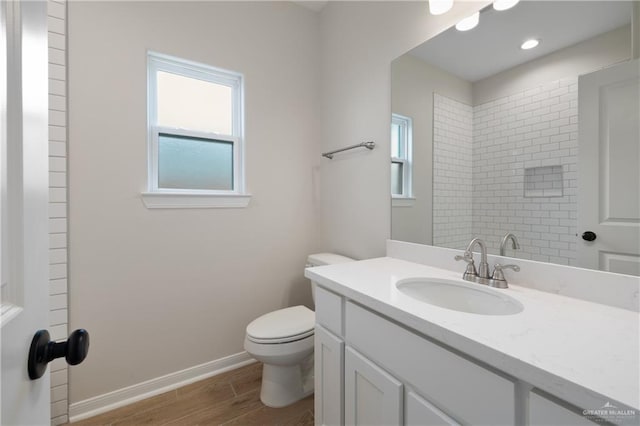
402,201
181,200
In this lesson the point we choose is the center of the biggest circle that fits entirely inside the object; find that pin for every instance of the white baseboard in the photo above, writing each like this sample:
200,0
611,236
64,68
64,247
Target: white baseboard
125,396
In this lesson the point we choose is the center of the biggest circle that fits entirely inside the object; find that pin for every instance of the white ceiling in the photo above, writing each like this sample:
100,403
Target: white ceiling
494,45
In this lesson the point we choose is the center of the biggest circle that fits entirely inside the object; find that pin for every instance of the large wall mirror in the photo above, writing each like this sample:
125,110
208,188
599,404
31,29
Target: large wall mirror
490,139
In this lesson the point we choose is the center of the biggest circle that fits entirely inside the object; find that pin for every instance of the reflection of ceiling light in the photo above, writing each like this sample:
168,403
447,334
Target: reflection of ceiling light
504,4
438,7
529,44
469,22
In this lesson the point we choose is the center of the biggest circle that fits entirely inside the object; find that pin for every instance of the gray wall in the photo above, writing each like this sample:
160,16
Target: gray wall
359,42
176,288
413,83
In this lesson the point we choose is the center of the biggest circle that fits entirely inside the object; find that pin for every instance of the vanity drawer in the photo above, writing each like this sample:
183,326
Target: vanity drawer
462,389
329,310
543,411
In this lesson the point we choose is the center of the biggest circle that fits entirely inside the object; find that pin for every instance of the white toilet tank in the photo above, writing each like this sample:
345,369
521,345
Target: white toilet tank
320,259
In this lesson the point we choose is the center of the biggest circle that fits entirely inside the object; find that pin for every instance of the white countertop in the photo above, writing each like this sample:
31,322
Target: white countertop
583,352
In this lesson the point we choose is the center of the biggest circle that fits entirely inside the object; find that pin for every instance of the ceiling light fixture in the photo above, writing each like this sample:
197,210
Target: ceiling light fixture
469,22
504,4
438,7
529,44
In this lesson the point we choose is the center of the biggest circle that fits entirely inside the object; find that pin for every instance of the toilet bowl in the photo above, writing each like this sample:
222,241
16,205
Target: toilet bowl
283,341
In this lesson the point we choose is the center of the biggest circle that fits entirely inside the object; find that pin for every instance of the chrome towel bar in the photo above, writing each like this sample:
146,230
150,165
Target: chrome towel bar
368,145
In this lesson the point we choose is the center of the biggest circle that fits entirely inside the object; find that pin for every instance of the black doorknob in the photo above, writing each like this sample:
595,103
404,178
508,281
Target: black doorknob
589,236
43,351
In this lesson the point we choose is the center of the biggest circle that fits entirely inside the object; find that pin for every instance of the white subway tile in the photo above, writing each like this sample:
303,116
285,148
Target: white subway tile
57,56
57,103
57,241
59,408
57,87
57,317
57,179
57,149
57,225
57,256
57,72
57,210
57,164
56,9
57,133
59,378
57,195
59,118
59,393
57,287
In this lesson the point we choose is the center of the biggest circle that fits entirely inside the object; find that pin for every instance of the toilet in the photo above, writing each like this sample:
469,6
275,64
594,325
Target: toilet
283,341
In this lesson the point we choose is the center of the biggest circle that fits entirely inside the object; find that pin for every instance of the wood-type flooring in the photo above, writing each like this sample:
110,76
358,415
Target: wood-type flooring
231,398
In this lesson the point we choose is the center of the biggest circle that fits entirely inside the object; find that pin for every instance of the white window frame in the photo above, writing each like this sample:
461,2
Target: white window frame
406,151
156,197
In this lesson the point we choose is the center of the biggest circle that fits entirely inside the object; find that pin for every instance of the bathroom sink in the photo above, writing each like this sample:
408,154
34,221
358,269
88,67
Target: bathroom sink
460,296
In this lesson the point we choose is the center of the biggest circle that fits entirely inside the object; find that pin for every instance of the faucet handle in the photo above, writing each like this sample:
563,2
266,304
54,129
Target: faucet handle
467,257
498,275
470,271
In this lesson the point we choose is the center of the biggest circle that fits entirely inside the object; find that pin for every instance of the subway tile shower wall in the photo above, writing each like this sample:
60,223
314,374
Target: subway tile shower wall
516,137
452,172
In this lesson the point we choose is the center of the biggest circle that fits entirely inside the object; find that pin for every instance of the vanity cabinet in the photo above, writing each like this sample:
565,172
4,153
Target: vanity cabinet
372,370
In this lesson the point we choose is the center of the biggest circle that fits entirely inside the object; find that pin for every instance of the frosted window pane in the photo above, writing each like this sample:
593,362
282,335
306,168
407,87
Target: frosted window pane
396,178
189,103
395,140
194,163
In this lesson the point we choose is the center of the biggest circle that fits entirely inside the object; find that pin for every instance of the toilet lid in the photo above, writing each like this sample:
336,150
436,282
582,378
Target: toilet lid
284,325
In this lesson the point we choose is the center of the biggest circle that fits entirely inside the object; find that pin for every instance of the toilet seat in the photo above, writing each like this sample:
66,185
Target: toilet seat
282,326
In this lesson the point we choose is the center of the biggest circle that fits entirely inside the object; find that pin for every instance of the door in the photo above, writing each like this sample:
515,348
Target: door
371,395
420,412
328,358
608,171
24,204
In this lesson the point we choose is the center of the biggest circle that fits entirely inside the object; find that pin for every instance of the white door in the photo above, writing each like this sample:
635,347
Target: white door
328,363
609,169
24,203
371,395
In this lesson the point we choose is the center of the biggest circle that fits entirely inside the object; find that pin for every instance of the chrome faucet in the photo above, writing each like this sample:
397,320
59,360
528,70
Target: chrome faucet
481,276
483,268
514,243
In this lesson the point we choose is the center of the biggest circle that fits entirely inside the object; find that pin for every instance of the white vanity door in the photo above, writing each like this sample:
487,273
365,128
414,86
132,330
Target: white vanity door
421,412
372,396
543,412
329,356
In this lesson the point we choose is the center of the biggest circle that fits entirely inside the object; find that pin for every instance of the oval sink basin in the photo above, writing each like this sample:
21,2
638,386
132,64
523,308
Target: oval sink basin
459,296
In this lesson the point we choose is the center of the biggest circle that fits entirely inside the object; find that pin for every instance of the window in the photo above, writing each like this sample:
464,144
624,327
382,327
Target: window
401,133
195,132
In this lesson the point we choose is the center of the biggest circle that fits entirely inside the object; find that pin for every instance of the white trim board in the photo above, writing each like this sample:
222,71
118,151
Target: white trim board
119,398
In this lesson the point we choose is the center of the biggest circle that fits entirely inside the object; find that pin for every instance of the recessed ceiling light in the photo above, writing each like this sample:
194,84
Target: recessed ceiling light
529,44
469,22
504,4
438,7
